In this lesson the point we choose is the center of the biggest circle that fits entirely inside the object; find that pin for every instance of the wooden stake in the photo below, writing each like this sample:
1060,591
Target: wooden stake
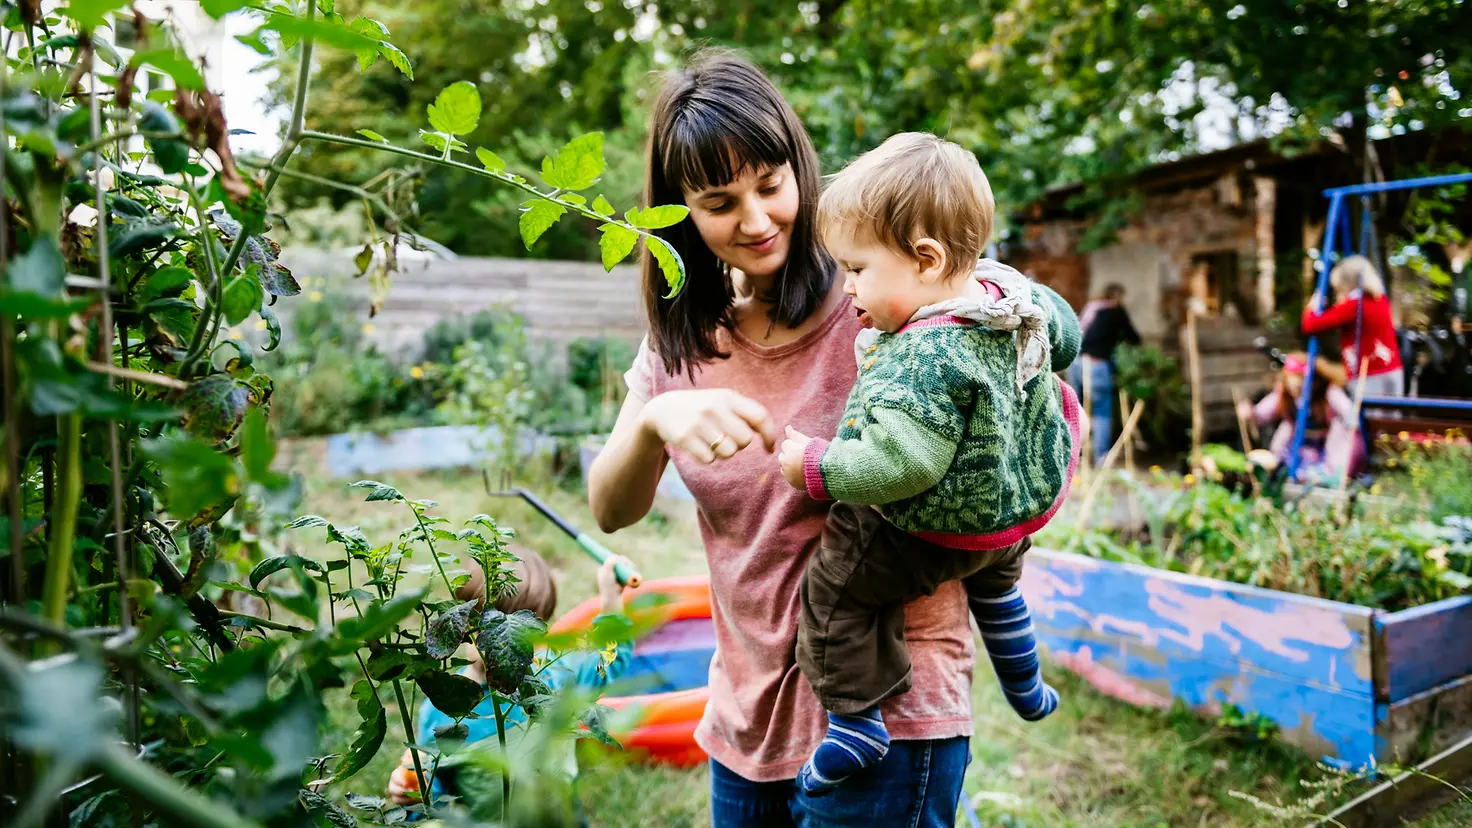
1129,446
1098,479
1198,418
1086,454
1242,424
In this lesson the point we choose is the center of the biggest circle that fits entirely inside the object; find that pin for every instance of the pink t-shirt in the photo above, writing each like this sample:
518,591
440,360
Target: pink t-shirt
763,720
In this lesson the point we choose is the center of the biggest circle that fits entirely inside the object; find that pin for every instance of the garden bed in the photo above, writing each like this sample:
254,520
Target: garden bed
1350,683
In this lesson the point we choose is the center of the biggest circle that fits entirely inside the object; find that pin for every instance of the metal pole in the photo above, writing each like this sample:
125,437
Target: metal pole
1305,395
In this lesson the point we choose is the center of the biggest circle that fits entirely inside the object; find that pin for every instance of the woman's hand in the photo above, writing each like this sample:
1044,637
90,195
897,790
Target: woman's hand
610,593
710,424
791,457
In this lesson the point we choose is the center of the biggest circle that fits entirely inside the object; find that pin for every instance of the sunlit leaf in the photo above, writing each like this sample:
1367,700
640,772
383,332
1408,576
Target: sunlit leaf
372,136
670,264
602,207
173,63
616,244
577,165
242,296
490,160
90,14
653,218
537,217
456,110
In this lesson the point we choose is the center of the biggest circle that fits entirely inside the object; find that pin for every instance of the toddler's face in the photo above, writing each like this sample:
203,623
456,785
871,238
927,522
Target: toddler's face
885,285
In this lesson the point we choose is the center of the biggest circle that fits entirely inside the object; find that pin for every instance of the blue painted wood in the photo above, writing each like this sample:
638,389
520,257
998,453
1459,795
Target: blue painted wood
1336,726
1425,647
1152,637
436,447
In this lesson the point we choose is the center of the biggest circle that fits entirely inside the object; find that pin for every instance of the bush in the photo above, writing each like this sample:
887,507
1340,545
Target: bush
1147,374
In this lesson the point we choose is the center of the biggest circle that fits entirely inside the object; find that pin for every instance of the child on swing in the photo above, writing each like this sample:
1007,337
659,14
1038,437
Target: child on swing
956,445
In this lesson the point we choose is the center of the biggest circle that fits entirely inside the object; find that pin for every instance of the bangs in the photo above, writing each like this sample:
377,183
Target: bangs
712,143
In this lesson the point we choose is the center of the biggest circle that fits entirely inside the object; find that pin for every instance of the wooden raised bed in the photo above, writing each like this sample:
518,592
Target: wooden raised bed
1344,682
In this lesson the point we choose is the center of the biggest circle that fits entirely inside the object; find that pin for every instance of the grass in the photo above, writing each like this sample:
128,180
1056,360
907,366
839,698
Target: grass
1097,762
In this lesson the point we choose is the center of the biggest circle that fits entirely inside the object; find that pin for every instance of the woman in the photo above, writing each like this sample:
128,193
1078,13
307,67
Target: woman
1106,325
1360,301
761,338
1330,448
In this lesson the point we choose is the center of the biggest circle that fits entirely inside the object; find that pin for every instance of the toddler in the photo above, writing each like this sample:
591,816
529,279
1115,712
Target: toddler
957,443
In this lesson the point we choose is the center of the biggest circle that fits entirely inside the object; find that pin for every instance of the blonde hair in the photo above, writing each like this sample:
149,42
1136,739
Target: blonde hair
1356,272
914,186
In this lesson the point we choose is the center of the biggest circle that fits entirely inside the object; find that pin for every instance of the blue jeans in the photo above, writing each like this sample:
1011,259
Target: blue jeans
918,785
1101,390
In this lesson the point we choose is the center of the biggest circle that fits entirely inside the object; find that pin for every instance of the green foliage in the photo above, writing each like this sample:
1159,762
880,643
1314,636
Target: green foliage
1148,375
139,455
1383,558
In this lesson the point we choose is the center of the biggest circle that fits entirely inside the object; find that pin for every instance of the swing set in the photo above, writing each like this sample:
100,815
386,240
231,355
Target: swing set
1337,231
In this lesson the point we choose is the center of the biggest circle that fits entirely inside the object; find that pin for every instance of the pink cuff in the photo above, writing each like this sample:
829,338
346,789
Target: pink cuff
812,468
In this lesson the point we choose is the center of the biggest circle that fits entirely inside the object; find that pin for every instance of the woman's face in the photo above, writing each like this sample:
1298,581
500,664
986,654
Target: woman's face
747,223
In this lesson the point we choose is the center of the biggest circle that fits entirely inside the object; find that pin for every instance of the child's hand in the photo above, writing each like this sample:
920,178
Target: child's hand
610,594
791,456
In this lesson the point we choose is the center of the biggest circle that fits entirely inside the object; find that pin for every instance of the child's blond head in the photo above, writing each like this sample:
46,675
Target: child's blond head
911,187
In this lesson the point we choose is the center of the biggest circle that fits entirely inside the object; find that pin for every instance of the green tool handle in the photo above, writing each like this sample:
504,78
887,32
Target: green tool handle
627,575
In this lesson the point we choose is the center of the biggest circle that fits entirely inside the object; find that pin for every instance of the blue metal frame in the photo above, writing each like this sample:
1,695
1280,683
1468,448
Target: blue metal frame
1338,224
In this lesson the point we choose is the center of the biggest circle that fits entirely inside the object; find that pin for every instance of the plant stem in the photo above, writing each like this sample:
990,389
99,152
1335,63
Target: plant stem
505,178
204,331
409,737
293,133
63,518
263,622
432,553
505,757
327,182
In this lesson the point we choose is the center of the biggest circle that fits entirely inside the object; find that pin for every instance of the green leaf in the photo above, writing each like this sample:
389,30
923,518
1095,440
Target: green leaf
368,738
31,306
439,142
253,41
595,721
171,154
214,406
273,328
397,59
307,522
617,243
451,737
124,206
90,14
451,694
653,218
166,282
456,110
537,217
372,136
139,236
364,258
294,29
318,805
270,566
370,28
490,160
670,264
175,64
380,491
219,8
602,207
506,644
195,475
256,449
243,296
40,270
447,630
378,620
577,165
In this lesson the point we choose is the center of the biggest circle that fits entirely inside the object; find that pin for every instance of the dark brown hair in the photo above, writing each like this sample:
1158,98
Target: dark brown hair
714,120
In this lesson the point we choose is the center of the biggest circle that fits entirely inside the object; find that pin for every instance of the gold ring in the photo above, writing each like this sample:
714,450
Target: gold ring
716,443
